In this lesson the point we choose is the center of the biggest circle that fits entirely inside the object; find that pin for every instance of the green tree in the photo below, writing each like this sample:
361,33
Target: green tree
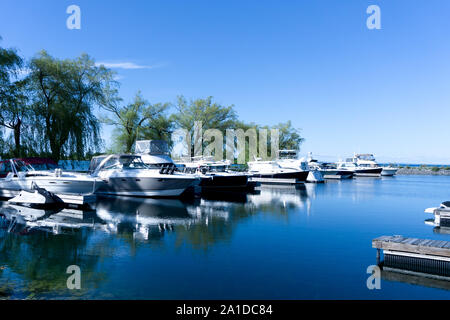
14,108
290,137
138,120
211,115
65,93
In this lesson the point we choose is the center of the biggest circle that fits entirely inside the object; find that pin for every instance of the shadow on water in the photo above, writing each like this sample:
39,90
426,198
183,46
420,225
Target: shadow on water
38,245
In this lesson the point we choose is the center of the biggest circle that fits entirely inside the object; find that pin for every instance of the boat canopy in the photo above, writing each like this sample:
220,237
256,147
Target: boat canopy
116,161
151,147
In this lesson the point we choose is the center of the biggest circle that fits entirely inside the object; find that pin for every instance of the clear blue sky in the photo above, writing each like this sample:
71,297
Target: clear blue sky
348,88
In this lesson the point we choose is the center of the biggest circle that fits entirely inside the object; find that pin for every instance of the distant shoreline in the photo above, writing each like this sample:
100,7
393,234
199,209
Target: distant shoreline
424,170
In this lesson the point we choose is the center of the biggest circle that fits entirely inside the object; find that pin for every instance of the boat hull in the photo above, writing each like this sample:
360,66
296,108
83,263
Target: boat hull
389,172
298,175
224,181
315,176
145,187
11,188
368,171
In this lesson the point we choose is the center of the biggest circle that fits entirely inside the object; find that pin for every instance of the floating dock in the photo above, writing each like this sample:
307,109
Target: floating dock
276,181
422,257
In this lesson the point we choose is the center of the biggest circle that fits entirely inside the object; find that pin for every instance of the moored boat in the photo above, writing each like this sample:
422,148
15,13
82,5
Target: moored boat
273,170
290,159
128,175
18,176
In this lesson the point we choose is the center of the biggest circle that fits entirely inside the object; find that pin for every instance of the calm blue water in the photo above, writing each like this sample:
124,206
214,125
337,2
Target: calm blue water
310,243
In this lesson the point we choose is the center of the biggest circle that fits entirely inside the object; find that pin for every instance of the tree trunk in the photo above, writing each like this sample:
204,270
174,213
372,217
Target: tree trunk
17,132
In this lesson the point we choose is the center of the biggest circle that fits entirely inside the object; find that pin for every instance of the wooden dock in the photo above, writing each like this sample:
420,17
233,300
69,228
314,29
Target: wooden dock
413,255
276,181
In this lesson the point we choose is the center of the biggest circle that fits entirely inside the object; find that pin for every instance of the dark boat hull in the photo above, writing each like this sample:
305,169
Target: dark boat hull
298,175
345,174
224,182
369,171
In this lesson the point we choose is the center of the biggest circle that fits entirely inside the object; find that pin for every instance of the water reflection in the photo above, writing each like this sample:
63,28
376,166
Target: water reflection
422,280
282,199
38,245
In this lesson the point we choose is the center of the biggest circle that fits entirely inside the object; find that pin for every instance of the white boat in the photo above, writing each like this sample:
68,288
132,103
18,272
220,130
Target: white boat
352,165
291,159
273,170
367,160
213,175
128,175
19,176
389,171
328,171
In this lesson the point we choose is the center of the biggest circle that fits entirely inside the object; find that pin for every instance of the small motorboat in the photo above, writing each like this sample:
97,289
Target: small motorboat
20,176
327,170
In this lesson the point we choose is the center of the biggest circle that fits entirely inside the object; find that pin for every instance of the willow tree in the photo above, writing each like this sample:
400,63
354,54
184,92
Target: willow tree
138,120
14,108
65,94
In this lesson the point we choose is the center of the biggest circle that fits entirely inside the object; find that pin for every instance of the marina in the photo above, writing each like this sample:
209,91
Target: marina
307,228
219,157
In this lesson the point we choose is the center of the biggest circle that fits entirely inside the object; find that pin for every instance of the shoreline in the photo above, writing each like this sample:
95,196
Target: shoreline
423,171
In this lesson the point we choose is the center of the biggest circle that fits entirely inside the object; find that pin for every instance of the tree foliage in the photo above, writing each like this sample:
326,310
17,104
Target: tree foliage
138,120
290,138
65,93
209,114
14,108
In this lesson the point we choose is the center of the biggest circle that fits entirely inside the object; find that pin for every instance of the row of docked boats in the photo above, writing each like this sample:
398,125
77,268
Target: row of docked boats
151,172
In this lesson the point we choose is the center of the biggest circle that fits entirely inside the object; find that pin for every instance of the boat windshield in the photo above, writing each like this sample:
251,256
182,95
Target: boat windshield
367,157
125,162
19,166
215,168
22,166
287,154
